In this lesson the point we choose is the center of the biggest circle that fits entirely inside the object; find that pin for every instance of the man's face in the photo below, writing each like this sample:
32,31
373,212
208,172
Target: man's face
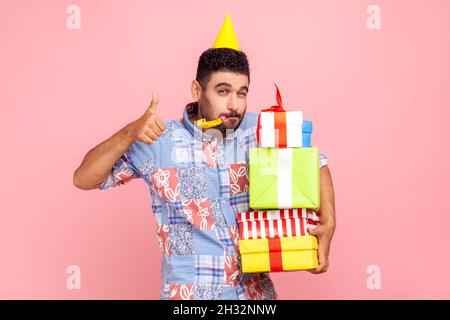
226,97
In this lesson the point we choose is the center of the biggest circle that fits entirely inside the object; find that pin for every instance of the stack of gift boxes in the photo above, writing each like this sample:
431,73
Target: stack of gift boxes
284,195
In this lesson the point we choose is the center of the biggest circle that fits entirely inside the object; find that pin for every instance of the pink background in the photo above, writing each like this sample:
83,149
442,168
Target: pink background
379,100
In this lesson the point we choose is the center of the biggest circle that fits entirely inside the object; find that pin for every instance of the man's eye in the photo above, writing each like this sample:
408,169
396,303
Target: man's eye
222,91
243,94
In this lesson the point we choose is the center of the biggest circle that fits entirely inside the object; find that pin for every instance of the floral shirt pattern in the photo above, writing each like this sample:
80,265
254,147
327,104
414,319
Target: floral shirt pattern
198,183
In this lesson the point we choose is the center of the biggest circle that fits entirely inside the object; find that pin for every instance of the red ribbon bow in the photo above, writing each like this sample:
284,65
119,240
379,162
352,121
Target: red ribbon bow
280,122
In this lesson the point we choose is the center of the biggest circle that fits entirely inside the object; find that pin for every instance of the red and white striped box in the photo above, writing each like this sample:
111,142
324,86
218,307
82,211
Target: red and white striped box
276,223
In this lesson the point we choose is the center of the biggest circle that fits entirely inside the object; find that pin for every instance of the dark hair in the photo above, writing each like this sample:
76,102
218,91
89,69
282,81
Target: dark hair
221,59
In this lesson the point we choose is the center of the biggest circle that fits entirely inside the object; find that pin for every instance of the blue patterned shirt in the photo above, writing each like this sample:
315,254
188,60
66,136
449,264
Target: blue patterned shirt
198,183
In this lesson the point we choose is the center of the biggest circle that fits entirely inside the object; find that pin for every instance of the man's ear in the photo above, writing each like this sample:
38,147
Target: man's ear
196,90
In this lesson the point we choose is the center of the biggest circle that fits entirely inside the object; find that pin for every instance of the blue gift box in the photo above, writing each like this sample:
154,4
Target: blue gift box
307,129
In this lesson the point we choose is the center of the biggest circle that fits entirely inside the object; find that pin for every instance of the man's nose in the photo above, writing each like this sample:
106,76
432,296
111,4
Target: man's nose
233,102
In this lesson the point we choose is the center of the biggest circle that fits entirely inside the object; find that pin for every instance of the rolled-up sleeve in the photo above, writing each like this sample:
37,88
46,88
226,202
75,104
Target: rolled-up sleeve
323,160
122,172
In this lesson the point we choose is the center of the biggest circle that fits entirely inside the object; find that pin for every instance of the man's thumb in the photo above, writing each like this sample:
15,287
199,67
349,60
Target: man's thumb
312,232
154,103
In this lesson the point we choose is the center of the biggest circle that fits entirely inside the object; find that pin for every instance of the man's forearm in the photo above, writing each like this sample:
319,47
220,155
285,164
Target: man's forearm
98,162
327,209
325,230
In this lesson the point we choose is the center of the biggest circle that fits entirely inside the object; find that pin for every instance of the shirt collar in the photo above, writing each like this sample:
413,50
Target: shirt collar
190,109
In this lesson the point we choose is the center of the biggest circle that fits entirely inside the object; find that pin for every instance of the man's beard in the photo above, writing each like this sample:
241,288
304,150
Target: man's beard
205,108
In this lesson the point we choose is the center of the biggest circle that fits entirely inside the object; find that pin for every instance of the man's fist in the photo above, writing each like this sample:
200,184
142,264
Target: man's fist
149,126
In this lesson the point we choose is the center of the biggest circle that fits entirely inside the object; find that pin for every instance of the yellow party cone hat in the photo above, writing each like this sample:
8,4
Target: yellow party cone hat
226,37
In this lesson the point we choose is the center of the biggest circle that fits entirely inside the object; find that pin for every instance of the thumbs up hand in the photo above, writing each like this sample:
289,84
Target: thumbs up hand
149,127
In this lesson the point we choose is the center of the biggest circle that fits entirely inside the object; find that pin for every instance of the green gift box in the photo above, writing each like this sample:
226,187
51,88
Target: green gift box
284,178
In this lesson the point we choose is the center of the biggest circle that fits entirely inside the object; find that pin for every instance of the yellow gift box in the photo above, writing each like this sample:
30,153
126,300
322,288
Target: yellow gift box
279,254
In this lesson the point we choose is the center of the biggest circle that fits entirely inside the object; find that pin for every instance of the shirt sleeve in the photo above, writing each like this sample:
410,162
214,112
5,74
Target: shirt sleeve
122,172
323,160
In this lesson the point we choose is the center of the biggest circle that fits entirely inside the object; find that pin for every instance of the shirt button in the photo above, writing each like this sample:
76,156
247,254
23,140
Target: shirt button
224,201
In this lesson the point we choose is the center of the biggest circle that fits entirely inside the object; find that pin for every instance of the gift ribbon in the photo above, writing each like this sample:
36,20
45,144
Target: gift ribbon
276,263
280,122
284,177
